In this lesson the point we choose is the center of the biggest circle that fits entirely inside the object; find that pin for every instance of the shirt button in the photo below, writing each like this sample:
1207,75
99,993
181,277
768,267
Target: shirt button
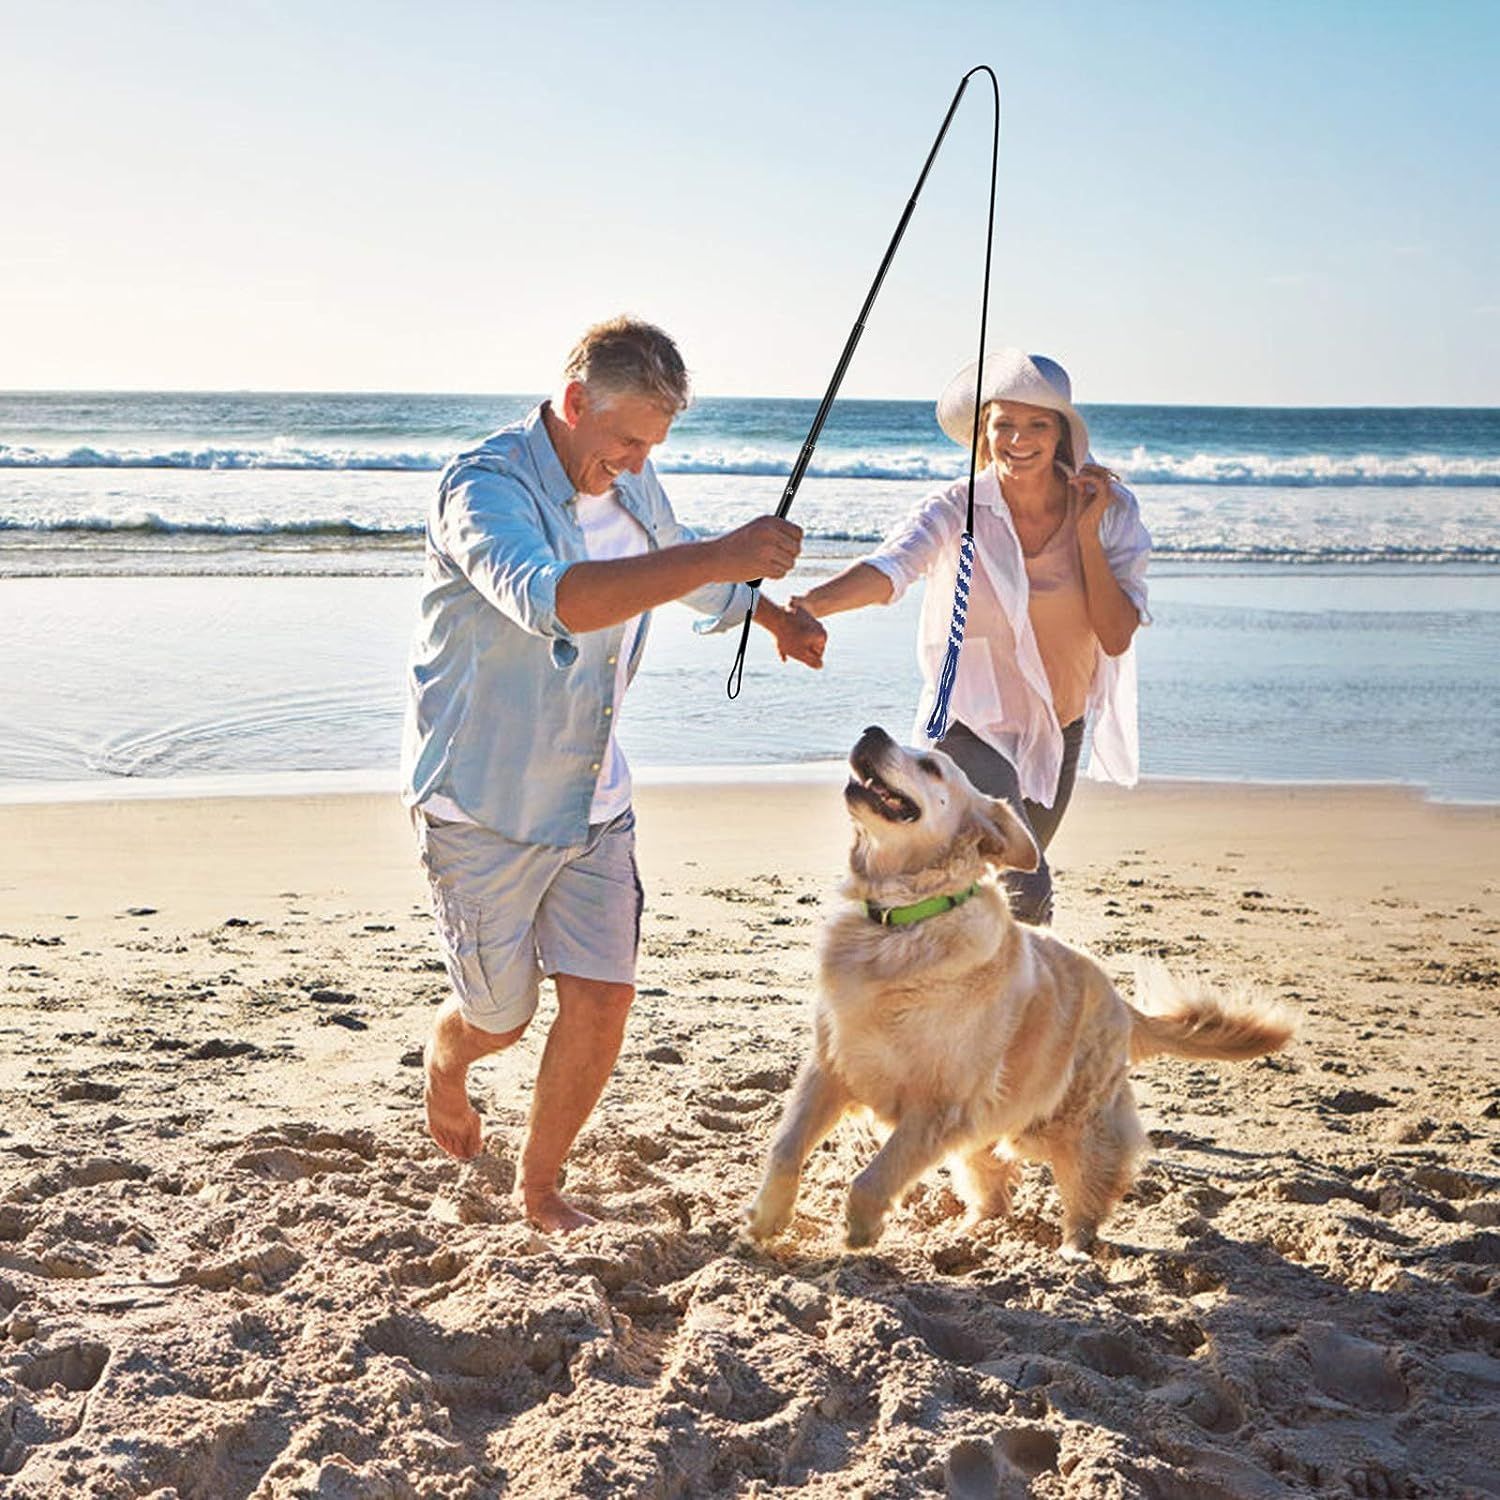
595,766
608,712
611,661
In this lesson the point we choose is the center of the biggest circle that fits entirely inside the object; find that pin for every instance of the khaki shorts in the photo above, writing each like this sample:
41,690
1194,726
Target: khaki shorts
508,913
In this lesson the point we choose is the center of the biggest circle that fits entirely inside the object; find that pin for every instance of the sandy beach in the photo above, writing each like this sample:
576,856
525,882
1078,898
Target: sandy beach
232,1264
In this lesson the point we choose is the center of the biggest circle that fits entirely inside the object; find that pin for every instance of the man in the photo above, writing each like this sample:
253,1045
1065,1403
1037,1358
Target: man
547,547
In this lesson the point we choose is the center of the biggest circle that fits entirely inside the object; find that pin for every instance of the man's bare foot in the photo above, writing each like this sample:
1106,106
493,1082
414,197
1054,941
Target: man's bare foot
451,1120
550,1212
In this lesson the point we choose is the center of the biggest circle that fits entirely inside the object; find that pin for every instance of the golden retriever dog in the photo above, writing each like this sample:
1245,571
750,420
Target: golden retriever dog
970,1037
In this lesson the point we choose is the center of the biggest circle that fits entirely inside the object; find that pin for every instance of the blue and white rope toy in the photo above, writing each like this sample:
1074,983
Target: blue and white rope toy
938,723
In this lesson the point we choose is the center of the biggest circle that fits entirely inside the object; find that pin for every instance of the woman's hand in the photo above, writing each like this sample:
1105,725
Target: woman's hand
1091,484
1111,613
799,635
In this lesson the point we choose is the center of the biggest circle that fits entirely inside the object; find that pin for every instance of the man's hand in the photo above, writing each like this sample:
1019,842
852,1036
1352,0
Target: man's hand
766,547
595,595
800,636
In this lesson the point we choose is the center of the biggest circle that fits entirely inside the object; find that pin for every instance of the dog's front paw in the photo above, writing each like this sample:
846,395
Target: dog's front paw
987,1185
1078,1246
770,1211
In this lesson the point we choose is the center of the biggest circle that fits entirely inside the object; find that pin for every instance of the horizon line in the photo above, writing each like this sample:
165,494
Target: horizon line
101,390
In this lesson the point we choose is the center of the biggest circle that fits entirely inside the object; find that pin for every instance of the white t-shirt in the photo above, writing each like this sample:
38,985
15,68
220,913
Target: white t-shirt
611,532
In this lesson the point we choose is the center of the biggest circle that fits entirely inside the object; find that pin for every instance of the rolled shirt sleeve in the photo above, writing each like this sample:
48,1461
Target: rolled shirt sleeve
910,551
728,616
722,604
487,523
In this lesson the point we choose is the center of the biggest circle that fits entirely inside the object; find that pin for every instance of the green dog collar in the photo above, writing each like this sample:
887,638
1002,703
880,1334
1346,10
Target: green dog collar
905,916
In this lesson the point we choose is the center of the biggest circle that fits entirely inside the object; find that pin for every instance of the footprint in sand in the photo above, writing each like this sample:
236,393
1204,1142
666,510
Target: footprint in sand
1475,1250
730,1104
1114,1355
1352,1369
75,1367
768,1080
1354,1102
88,1090
347,1019
647,1148
92,1172
251,1269
59,1381
974,1470
1033,1450
482,1343
294,1152
1185,1275
1209,1406
216,1048
1452,1185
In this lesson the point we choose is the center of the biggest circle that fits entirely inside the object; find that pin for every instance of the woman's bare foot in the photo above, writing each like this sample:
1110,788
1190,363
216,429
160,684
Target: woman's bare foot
451,1120
550,1212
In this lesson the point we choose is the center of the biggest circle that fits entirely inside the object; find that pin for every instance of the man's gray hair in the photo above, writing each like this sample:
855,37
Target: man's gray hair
626,357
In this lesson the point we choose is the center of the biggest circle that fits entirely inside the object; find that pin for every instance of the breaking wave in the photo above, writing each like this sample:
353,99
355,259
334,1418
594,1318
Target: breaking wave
343,533
1139,466
154,525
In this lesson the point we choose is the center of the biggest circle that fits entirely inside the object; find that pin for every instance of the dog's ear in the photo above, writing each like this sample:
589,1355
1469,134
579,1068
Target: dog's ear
1003,838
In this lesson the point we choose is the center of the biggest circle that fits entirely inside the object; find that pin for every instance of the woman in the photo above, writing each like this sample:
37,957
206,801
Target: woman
1059,588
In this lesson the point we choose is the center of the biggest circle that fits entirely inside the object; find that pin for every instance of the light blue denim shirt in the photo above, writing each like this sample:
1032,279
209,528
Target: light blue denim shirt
508,711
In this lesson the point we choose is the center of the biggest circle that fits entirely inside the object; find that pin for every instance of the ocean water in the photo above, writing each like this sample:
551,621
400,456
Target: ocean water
339,475
222,585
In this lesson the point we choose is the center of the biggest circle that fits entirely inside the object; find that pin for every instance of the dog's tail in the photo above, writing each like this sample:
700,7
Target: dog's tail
1190,1020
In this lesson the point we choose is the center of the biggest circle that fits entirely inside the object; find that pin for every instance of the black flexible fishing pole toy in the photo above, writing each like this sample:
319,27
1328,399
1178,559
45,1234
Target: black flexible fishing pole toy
937,724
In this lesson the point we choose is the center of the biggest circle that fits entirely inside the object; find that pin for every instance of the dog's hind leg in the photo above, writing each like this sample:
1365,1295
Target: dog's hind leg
817,1104
985,1181
1094,1165
918,1142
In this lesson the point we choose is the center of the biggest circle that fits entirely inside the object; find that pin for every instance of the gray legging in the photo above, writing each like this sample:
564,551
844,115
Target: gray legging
988,769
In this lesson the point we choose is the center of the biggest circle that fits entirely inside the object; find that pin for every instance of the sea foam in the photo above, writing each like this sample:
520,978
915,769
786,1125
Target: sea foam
1138,466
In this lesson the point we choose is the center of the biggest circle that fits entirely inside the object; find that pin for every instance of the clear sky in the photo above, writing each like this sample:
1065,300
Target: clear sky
1221,201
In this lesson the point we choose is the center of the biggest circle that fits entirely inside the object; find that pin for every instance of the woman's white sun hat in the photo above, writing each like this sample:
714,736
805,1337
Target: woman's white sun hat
1012,375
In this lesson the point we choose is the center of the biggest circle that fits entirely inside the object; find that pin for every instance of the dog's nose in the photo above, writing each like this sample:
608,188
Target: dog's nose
873,740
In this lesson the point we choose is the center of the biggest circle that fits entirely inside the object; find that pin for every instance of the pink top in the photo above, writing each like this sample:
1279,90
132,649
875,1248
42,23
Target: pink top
1059,610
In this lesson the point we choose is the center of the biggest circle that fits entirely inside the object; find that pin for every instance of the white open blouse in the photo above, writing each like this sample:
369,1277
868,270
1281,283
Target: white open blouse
1002,692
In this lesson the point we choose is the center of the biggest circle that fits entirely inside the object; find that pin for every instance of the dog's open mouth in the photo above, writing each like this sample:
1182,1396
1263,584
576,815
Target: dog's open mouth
867,786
